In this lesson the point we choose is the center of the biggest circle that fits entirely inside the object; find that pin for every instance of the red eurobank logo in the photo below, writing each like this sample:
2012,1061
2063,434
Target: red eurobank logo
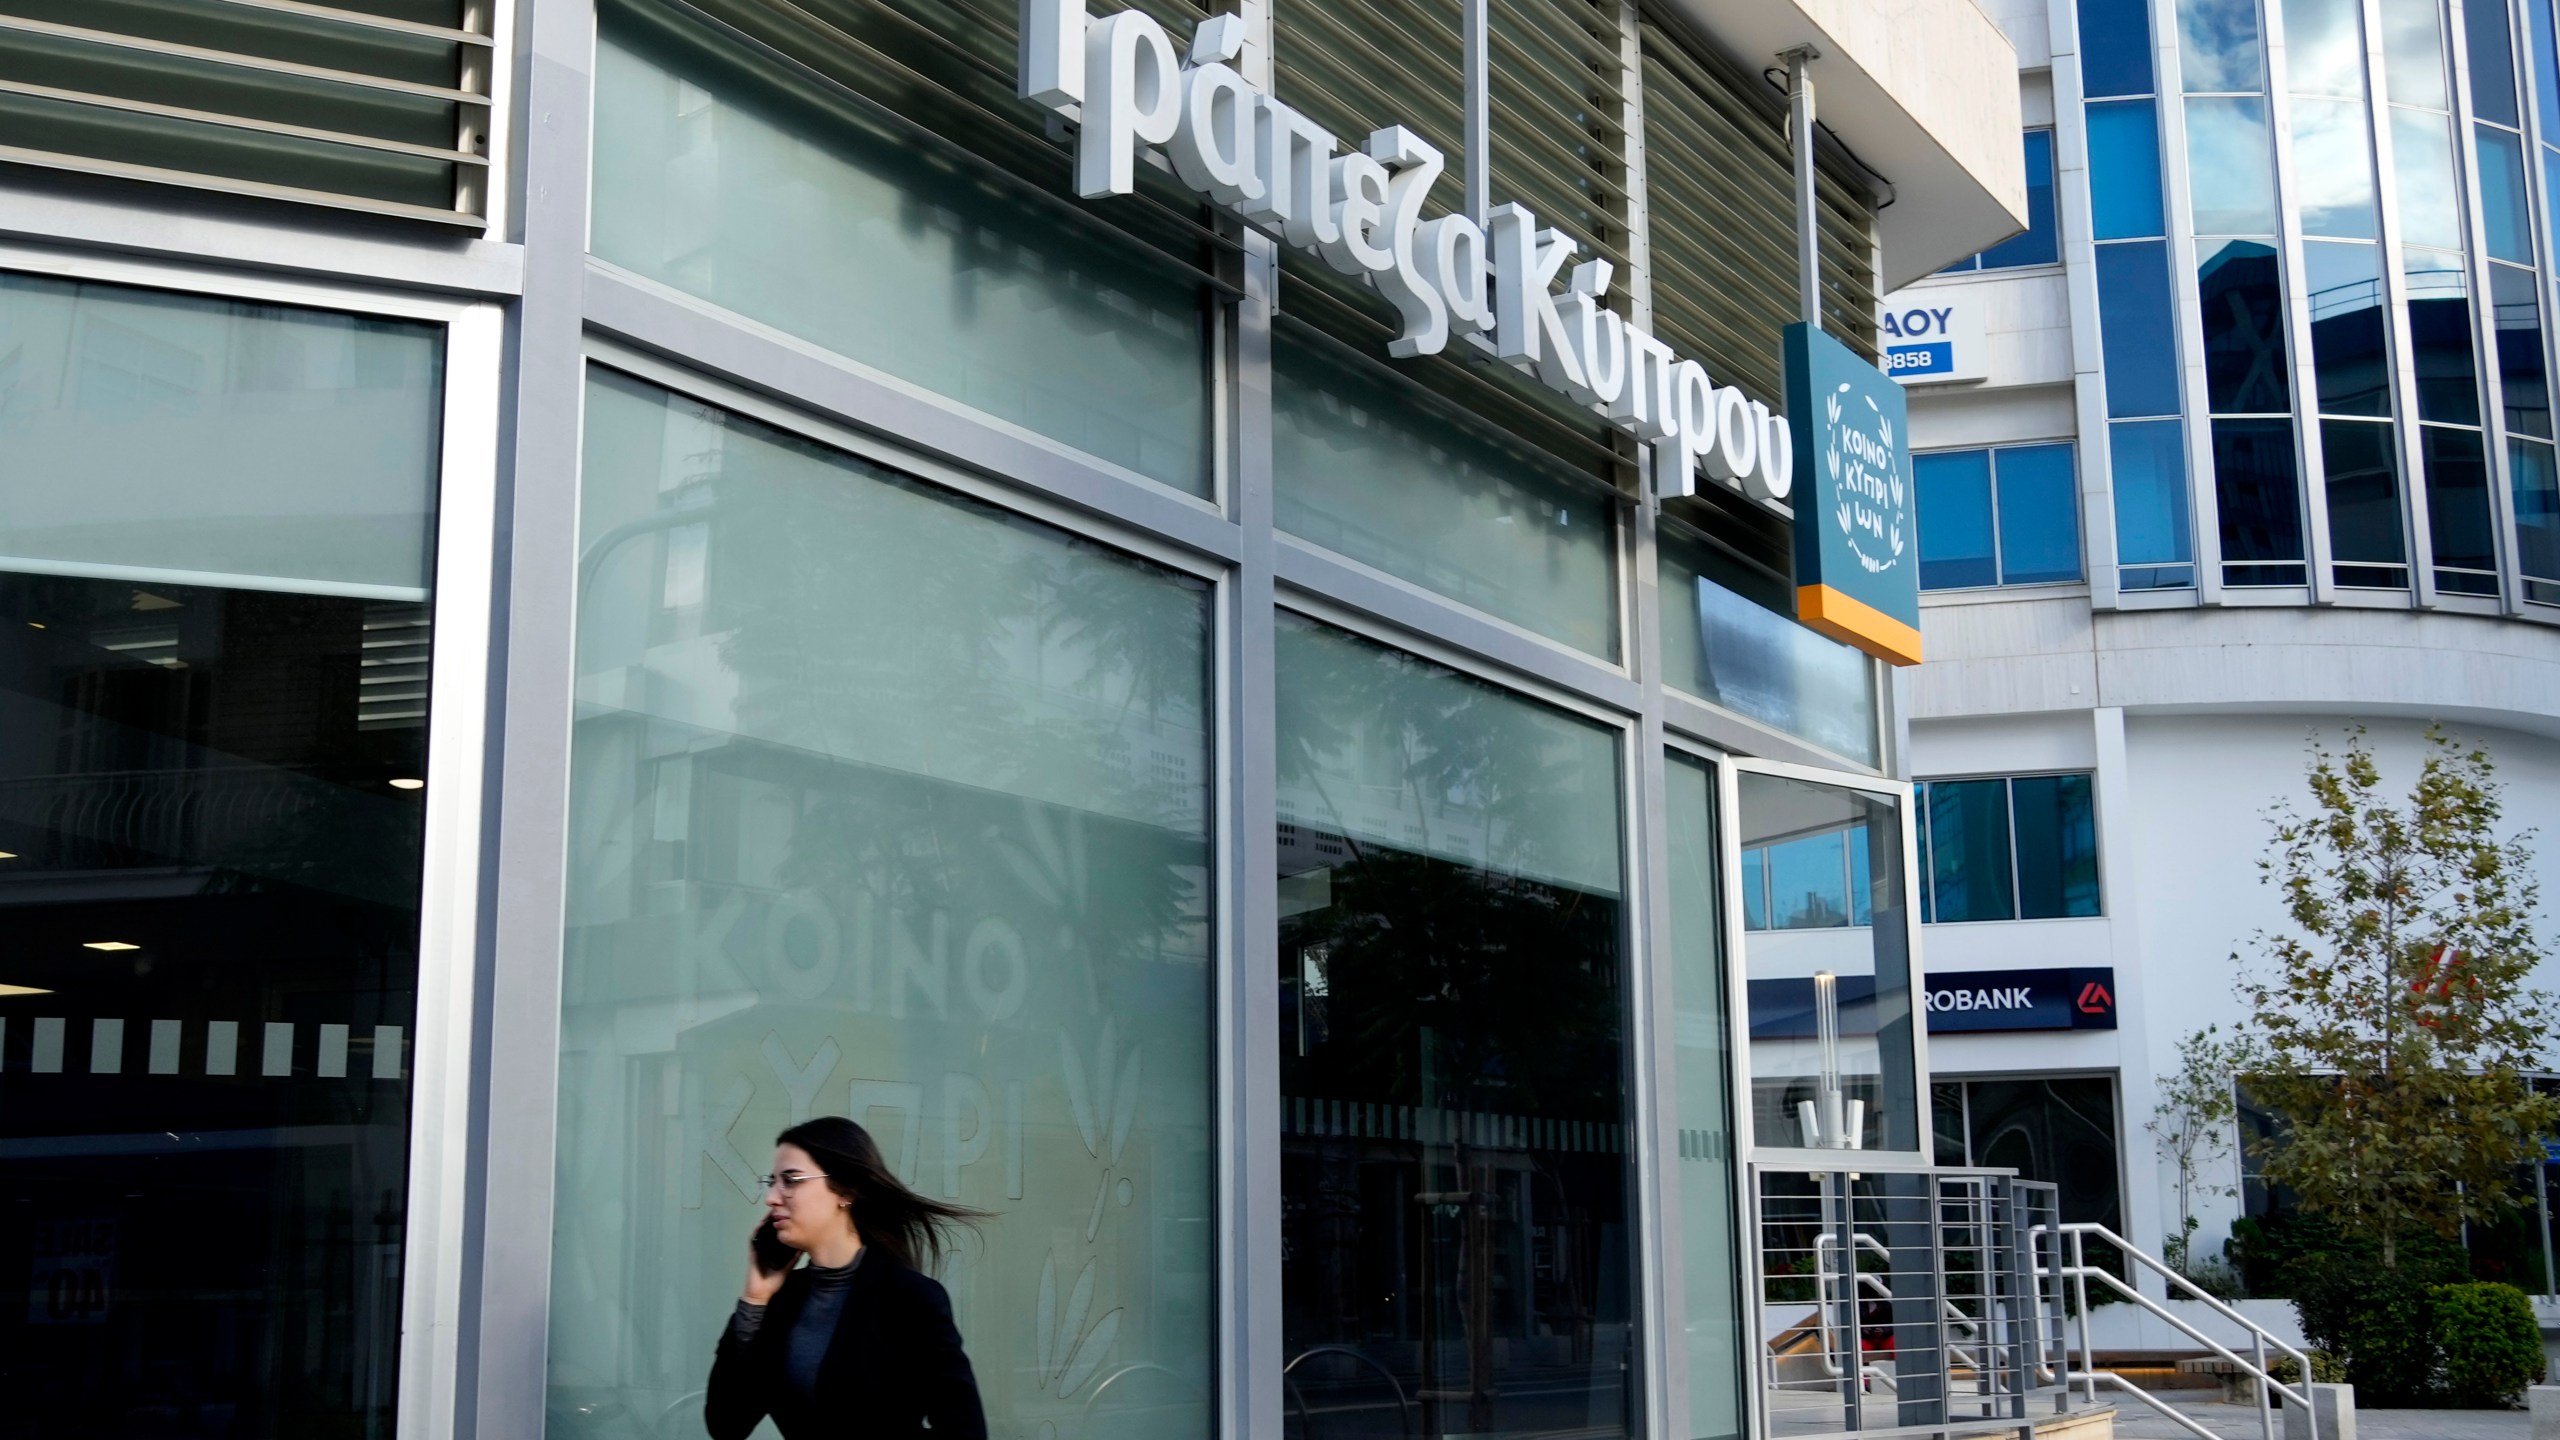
2080,997
2095,999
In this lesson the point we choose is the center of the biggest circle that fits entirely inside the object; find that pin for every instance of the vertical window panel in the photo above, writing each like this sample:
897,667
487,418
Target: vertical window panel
2039,515
2333,168
2057,839
2516,314
2363,483
1956,539
2124,171
2115,47
2505,214
1969,850
2242,299
2350,363
2155,538
2440,338
2546,66
2413,70
2324,48
2230,175
2430,190
2537,501
2260,501
2458,516
2042,242
1809,882
2137,330
1703,1067
2491,47
2219,46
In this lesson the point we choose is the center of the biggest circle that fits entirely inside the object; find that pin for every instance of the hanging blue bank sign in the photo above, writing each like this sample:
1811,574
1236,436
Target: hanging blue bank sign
1857,509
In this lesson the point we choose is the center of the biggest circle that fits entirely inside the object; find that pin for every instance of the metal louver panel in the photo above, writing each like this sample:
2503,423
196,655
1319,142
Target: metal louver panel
1720,220
374,105
1558,102
391,680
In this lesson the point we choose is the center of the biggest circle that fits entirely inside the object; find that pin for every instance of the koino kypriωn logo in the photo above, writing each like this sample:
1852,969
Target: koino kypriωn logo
1866,482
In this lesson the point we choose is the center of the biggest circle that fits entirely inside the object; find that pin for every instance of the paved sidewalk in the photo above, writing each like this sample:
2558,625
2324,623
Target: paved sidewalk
2136,1421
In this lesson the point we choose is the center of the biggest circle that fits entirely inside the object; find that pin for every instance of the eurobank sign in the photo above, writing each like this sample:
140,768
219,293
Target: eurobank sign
1119,80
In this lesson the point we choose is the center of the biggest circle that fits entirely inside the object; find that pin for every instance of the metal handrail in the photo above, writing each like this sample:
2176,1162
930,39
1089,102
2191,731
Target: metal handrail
2080,1271
1306,1419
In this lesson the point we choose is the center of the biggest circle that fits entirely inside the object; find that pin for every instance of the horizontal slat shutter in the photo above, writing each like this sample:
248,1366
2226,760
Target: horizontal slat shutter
373,105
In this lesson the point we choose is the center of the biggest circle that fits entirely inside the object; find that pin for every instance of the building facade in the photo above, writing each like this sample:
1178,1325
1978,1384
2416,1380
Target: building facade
2245,443
587,579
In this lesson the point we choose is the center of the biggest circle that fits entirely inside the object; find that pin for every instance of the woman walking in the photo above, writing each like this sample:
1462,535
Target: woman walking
859,1341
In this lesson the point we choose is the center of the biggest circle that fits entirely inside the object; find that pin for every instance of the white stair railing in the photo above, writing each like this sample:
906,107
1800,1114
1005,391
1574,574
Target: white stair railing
2079,1272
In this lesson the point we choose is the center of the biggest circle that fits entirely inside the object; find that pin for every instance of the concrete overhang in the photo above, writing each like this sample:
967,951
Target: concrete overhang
1924,91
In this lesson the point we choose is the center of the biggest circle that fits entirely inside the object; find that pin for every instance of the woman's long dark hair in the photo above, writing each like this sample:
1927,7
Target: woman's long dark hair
896,1221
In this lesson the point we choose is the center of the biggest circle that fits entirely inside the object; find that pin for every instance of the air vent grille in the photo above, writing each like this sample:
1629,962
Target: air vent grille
373,105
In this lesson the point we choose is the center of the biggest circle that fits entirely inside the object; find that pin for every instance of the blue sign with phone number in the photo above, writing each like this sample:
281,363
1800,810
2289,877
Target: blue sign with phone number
1937,359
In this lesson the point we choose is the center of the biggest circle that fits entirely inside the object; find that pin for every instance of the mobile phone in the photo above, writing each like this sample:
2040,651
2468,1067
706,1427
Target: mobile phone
772,1256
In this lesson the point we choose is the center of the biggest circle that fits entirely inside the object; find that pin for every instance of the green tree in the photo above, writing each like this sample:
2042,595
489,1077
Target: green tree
2393,1019
2192,1125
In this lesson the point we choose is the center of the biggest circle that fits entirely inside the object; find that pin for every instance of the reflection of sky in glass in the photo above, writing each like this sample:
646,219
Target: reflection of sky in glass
2218,45
2323,53
2422,163
2333,168
2150,493
2344,281
2433,275
2228,174
2493,59
1809,882
2502,202
2413,53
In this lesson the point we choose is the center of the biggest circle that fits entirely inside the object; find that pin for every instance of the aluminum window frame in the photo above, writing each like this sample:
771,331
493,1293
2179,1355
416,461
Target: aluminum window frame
441,1078
2009,796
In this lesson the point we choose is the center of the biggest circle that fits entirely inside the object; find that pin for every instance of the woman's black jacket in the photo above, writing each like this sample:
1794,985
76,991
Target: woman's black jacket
895,1363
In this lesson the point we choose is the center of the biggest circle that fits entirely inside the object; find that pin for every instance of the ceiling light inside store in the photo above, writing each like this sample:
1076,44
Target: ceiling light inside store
145,600
408,784
8,990
109,945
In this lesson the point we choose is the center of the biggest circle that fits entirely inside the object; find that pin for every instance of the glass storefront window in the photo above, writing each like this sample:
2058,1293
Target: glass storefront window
1456,1223
1703,1060
725,178
1369,470
215,628
887,804
1830,963
1745,653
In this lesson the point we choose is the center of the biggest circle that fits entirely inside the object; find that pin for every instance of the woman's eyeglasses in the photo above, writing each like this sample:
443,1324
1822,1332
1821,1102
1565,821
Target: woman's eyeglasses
790,1180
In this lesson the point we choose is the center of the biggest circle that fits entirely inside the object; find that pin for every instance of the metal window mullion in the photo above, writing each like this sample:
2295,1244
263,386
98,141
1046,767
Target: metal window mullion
2484,320
2546,241
2320,572
2077,250
1999,555
2195,404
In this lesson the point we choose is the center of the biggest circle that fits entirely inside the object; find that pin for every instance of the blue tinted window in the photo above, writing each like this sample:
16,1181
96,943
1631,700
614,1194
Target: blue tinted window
1862,885
2244,339
1755,890
2124,171
2039,516
2260,502
2218,45
2230,166
2504,211
2149,462
2537,487
2546,67
1955,520
2517,316
2344,283
2361,461
2115,47
2440,338
1809,882
2458,507
2057,839
2042,242
2137,329
2493,62
1969,850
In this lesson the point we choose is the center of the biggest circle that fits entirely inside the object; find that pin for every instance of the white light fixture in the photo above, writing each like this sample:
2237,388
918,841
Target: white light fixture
408,784
109,945
8,990
8,854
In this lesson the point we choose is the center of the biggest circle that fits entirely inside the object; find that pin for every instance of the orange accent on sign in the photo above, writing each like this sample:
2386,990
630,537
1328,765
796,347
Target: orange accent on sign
1854,622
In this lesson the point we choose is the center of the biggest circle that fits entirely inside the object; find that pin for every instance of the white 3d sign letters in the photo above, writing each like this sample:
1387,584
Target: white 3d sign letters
1360,208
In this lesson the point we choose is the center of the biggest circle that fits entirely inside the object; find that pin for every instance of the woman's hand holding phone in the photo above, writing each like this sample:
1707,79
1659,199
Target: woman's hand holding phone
768,1261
